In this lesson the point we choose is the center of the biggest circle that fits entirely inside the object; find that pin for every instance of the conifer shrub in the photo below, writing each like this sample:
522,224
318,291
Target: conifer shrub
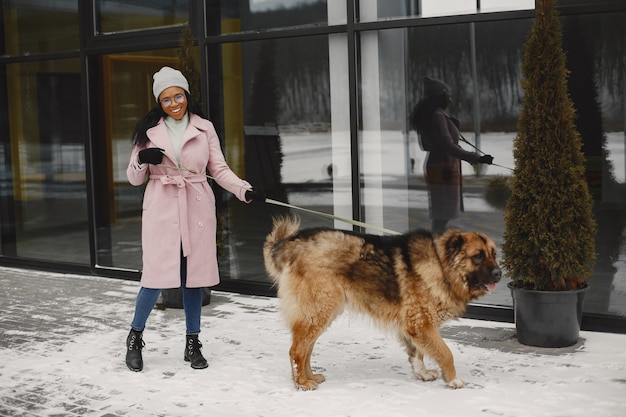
549,225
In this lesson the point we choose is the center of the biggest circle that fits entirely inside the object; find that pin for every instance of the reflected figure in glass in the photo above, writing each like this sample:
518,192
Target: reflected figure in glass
438,134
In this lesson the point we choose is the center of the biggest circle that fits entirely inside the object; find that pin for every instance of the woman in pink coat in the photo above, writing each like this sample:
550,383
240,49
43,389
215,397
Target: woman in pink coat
173,148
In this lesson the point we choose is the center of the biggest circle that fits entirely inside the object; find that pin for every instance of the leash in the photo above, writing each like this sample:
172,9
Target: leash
332,216
480,151
291,206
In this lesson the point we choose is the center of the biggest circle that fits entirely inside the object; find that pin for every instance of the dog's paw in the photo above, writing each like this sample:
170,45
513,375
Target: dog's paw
421,372
319,378
306,385
427,374
456,383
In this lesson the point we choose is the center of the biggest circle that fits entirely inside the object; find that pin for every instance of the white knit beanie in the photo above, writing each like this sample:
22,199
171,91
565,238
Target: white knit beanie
168,77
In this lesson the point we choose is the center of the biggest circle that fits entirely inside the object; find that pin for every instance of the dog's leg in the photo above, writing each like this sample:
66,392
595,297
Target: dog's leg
416,359
430,342
420,370
304,338
319,378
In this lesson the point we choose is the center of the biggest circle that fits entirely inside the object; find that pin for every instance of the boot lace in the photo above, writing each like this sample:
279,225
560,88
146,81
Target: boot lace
193,346
134,345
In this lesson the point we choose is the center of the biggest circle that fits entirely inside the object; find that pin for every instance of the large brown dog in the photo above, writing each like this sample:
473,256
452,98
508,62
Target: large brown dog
409,283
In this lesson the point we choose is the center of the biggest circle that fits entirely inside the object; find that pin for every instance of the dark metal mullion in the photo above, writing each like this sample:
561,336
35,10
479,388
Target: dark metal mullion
86,31
401,23
353,91
8,234
135,41
18,59
275,34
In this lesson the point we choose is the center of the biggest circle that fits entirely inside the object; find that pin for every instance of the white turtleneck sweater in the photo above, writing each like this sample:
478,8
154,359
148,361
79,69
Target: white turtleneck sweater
176,131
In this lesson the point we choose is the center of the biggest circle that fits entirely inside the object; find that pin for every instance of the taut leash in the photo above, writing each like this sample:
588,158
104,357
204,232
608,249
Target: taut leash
291,206
480,151
332,216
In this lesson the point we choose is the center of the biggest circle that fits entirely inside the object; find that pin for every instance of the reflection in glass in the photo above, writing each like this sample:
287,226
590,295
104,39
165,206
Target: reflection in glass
250,15
127,96
447,8
393,65
600,122
281,134
371,10
506,5
48,199
40,27
121,15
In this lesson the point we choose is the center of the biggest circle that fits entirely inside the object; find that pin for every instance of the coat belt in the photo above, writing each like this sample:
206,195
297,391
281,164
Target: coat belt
181,182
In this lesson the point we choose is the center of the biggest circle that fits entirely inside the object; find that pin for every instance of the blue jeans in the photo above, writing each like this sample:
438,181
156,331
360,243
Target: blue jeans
192,303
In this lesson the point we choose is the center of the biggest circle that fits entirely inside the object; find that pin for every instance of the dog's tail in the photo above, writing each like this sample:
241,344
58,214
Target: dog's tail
283,228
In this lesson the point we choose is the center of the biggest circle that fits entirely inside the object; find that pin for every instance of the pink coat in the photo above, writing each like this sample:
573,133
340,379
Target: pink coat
179,206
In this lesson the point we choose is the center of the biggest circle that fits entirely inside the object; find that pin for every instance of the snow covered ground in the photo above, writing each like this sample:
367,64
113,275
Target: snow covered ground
62,353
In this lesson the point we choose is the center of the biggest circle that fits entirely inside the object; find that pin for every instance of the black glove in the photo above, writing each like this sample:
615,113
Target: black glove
255,194
151,156
486,159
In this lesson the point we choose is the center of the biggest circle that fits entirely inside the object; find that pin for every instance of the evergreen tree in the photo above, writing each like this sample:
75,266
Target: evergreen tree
549,225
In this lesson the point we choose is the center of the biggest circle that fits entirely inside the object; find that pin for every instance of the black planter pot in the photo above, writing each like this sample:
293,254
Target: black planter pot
173,297
547,318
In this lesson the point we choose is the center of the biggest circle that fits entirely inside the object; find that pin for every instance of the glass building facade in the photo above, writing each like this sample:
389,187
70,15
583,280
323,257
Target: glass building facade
310,99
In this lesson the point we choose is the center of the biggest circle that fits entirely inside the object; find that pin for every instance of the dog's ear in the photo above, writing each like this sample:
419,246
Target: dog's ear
454,244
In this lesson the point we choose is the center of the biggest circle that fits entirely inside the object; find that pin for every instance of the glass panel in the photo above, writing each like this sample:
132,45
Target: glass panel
250,15
483,71
371,10
395,193
32,27
121,15
447,8
45,209
595,46
127,97
506,5
281,135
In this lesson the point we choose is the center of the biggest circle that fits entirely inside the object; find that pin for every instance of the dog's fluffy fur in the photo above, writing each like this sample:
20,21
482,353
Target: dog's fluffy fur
410,284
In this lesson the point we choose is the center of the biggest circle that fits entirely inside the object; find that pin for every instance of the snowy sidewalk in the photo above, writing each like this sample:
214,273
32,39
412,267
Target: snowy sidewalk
62,354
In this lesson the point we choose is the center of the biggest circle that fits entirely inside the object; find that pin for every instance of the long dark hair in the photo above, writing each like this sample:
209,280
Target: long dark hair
421,117
140,138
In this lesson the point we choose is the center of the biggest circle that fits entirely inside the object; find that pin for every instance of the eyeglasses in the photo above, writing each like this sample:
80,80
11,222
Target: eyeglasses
179,98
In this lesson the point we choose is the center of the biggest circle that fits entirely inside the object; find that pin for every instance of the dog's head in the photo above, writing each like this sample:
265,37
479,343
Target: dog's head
471,257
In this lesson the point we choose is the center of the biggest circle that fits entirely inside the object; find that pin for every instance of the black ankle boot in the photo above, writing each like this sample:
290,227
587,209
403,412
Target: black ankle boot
193,354
134,344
